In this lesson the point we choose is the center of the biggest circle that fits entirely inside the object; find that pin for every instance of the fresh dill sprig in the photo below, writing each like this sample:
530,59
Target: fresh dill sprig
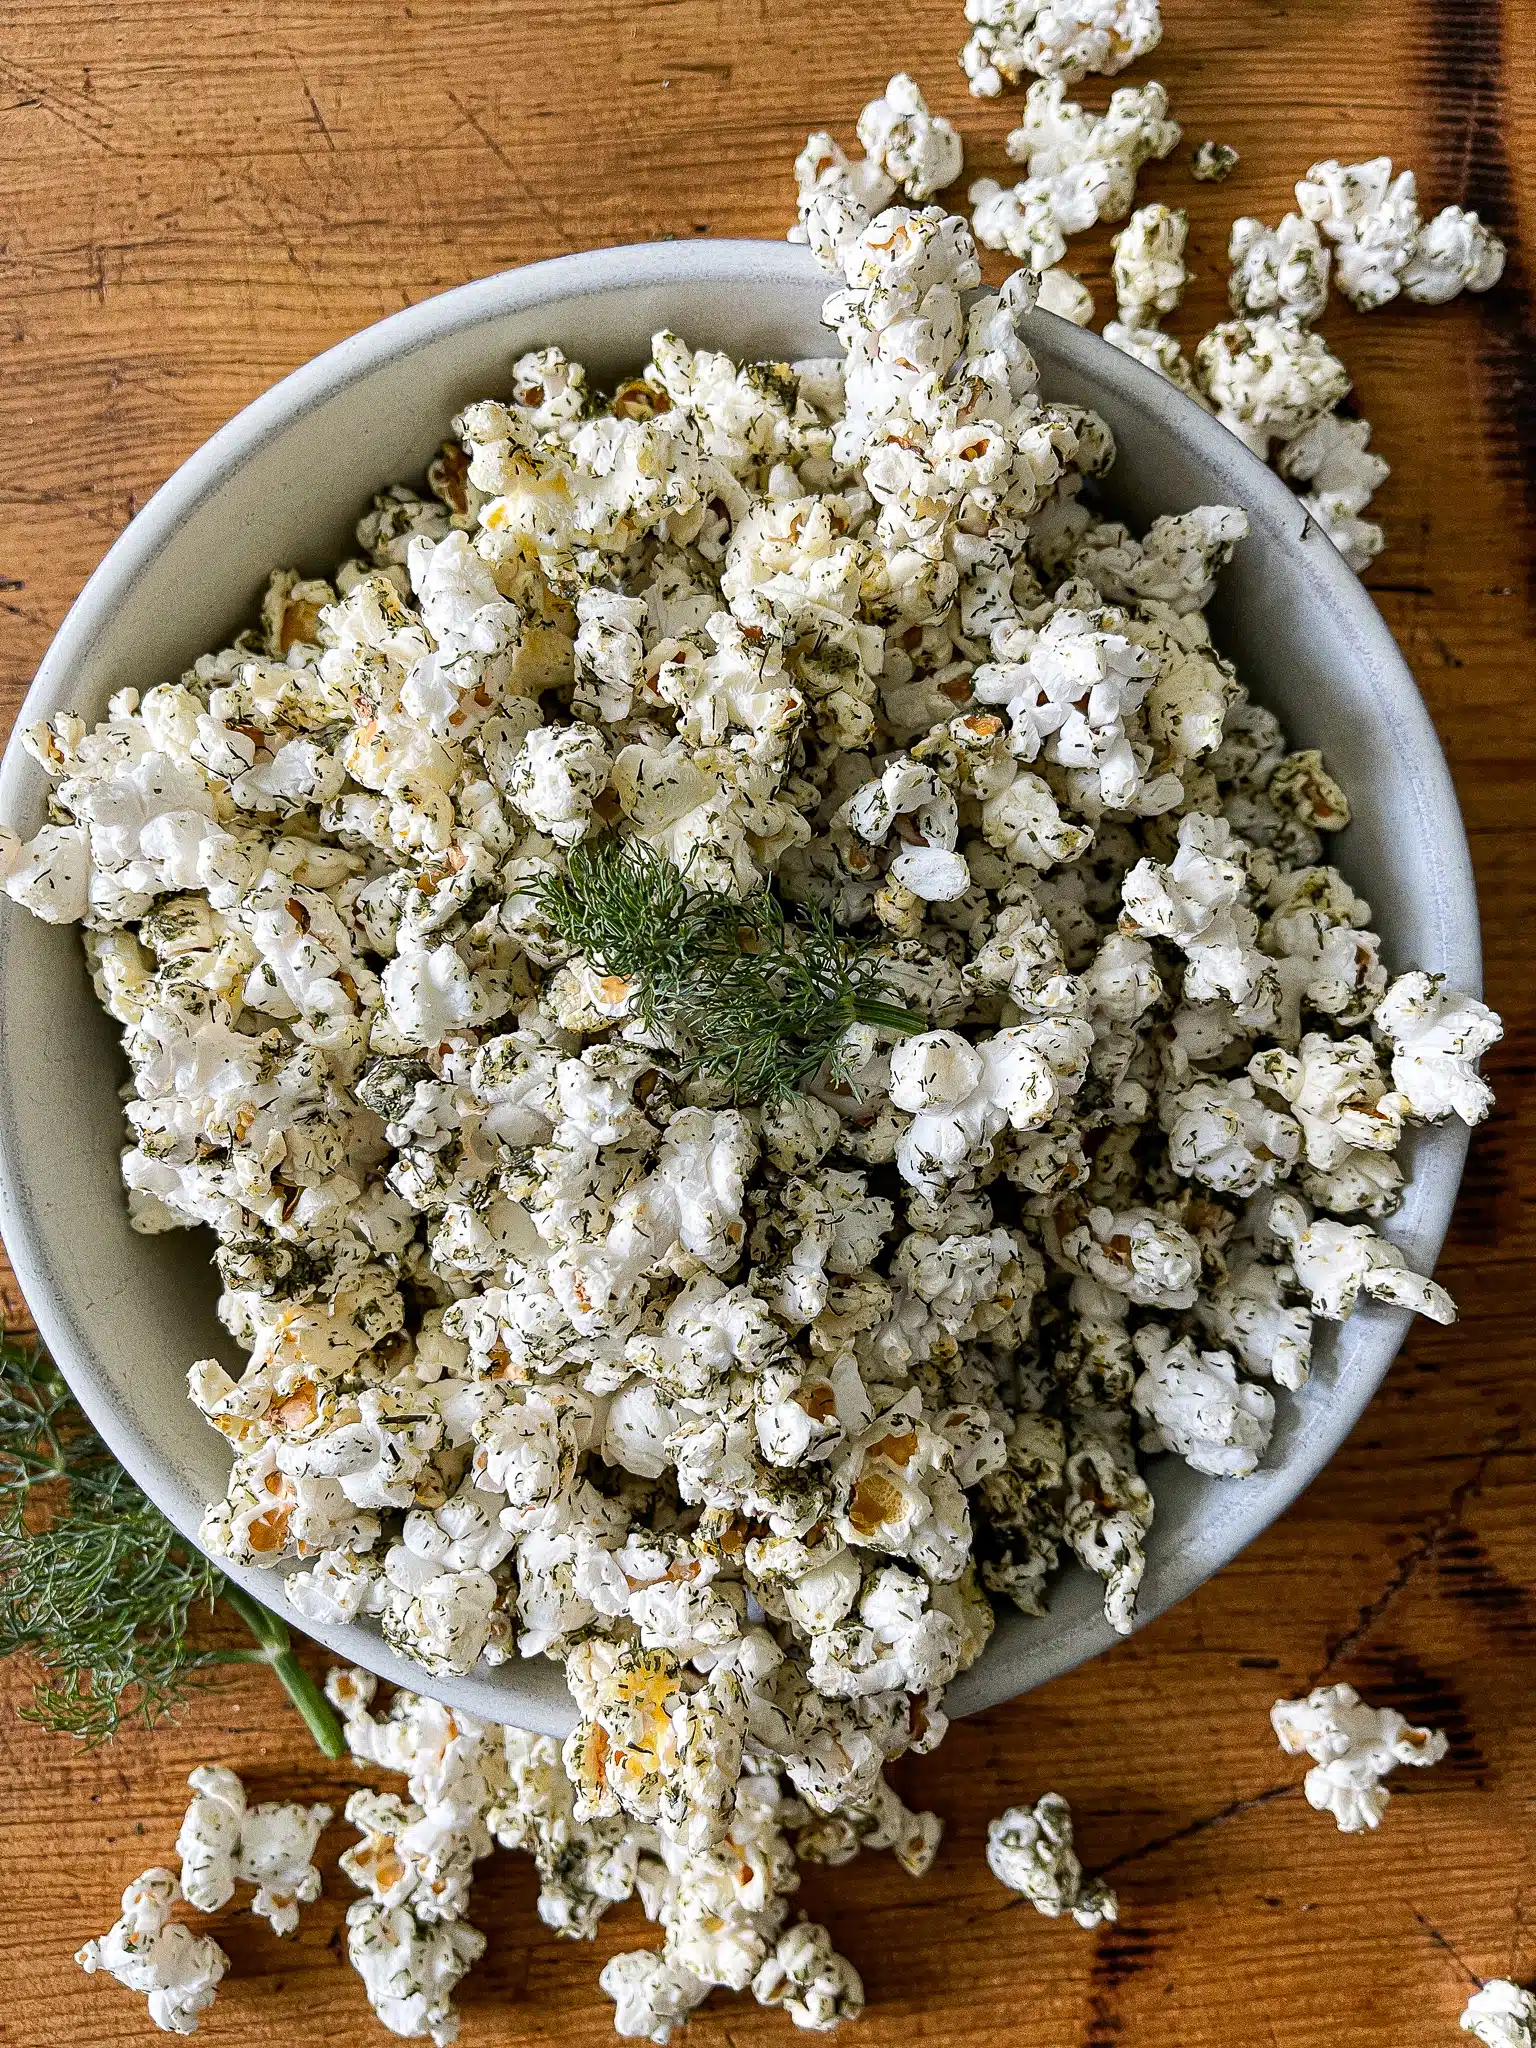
98,1586
758,1001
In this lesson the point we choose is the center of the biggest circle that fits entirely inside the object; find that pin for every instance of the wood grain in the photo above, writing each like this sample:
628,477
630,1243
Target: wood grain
196,196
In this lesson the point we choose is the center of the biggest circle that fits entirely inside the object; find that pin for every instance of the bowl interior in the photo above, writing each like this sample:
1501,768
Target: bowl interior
284,483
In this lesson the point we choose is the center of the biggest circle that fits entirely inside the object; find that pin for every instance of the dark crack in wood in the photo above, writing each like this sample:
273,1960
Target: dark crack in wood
1233,1810
1413,1559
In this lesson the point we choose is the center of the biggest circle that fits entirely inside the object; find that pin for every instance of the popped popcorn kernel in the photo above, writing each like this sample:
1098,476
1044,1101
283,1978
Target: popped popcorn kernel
1353,1747
146,1950
1030,1850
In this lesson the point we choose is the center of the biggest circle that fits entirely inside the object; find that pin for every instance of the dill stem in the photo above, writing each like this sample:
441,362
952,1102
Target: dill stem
275,1647
890,1016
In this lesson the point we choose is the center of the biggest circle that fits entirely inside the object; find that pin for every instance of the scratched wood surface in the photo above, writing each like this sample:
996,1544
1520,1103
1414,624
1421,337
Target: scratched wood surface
196,196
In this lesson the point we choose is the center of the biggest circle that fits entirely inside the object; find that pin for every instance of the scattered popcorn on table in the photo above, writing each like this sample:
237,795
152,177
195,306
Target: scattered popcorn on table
408,1940
1081,169
1267,378
917,150
1156,351
1501,2015
1371,218
1353,1747
224,1842
148,1951
1058,39
1332,457
1381,245
1284,271
1029,1849
817,1987
410,1968
1149,269
1454,253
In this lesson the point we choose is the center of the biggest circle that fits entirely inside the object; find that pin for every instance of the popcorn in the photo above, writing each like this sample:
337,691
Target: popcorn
1332,457
558,772
411,1967
1353,1747
1023,220
1254,1315
930,867
1175,564
1082,169
647,1748
1193,1403
1072,702
1149,269
1030,1850
1063,41
50,875
1371,218
1437,1038
739,1410
1383,248
1501,2015
1267,378
1092,35
583,1867
1454,253
1221,1134
1336,1261
1149,1258
409,1856
408,1939
1284,271
1106,1511
817,1987
610,654
1065,295
1158,352
148,1951
1338,1094
919,151
223,1841
961,1097
651,1995
1092,156
450,1761
994,52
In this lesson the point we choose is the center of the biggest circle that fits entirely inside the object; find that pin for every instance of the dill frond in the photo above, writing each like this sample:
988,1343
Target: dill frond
759,1002
625,908
94,1581
98,1586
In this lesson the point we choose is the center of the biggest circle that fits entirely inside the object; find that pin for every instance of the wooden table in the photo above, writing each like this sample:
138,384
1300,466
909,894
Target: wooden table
199,195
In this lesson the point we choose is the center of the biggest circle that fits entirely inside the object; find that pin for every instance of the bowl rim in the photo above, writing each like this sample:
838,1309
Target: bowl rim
588,274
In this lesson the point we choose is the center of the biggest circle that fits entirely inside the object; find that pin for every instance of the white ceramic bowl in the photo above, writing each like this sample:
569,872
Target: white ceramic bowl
284,482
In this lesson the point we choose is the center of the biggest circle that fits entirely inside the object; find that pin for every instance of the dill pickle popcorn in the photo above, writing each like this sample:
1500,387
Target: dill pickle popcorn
741,1389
